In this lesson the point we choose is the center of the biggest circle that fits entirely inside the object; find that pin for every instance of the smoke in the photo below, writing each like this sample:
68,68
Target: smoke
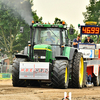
22,7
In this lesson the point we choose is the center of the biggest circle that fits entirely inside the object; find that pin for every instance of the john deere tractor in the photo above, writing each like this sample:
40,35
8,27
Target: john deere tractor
48,58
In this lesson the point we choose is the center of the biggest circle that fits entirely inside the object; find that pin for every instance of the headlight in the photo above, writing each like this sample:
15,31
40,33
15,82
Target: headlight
42,57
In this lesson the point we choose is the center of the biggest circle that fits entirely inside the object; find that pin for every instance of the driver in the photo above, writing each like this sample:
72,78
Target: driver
50,38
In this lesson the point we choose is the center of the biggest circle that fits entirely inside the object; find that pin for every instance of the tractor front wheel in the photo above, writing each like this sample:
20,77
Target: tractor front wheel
15,73
60,77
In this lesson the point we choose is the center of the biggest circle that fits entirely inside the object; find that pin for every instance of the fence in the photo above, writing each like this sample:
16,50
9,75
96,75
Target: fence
5,71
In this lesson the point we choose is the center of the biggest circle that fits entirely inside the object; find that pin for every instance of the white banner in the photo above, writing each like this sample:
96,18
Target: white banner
87,53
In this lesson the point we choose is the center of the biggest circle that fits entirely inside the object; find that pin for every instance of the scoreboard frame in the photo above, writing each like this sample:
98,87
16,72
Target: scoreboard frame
90,30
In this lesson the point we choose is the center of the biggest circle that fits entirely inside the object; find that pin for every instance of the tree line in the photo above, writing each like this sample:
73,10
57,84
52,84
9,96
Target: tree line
12,41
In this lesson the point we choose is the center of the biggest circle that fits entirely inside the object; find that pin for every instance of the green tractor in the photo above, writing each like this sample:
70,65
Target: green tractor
48,58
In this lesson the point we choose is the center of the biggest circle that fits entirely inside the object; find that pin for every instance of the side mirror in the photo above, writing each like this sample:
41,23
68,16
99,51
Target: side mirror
71,31
21,29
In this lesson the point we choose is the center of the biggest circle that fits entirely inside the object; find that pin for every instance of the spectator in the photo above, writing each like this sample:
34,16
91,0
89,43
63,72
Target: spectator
76,41
88,40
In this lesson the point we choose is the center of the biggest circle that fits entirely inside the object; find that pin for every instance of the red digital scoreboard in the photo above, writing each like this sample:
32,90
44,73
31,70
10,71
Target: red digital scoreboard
92,30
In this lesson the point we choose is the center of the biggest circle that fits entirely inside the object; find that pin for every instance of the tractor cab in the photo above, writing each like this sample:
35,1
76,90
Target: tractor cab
50,39
49,36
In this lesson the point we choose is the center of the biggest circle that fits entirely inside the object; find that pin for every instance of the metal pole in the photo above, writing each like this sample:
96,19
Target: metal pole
1,68
30,50
97,39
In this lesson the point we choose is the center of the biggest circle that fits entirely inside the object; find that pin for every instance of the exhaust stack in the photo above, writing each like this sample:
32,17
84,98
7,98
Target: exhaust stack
31,44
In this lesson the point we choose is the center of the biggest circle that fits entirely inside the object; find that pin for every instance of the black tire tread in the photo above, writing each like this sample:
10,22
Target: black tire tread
58,79
15,74
74,71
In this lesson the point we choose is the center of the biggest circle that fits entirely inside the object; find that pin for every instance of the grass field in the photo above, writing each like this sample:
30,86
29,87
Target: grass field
5,76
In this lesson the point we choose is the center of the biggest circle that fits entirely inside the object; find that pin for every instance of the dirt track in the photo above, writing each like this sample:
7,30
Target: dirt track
8,92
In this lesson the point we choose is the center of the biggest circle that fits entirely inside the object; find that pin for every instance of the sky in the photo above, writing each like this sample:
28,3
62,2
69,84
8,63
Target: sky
68,10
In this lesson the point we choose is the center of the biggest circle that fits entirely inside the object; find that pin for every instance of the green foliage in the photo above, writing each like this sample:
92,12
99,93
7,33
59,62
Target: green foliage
72,37
36,18
93,11
9,28
11,40
93,14
94,37
58,21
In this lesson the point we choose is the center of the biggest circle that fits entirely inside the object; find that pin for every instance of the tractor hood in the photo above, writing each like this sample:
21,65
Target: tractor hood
42,47
44,52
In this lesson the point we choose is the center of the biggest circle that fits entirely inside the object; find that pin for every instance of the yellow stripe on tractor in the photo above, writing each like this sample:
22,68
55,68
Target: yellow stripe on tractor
42,49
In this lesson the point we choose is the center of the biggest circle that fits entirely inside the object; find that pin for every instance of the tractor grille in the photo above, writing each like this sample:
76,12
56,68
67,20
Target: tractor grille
38,54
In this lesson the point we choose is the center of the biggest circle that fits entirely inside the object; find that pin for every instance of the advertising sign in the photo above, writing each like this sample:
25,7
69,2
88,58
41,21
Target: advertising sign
34,70
87,53
96,54
86,46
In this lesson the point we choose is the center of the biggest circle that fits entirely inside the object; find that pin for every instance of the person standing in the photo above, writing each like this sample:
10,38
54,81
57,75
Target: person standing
76,41
88,40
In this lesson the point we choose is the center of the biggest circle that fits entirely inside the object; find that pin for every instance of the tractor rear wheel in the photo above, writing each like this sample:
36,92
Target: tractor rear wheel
15,73
60,77
77,71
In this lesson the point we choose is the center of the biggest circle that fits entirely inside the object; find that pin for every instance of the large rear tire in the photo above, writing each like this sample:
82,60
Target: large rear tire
15,73
60,77
77,71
